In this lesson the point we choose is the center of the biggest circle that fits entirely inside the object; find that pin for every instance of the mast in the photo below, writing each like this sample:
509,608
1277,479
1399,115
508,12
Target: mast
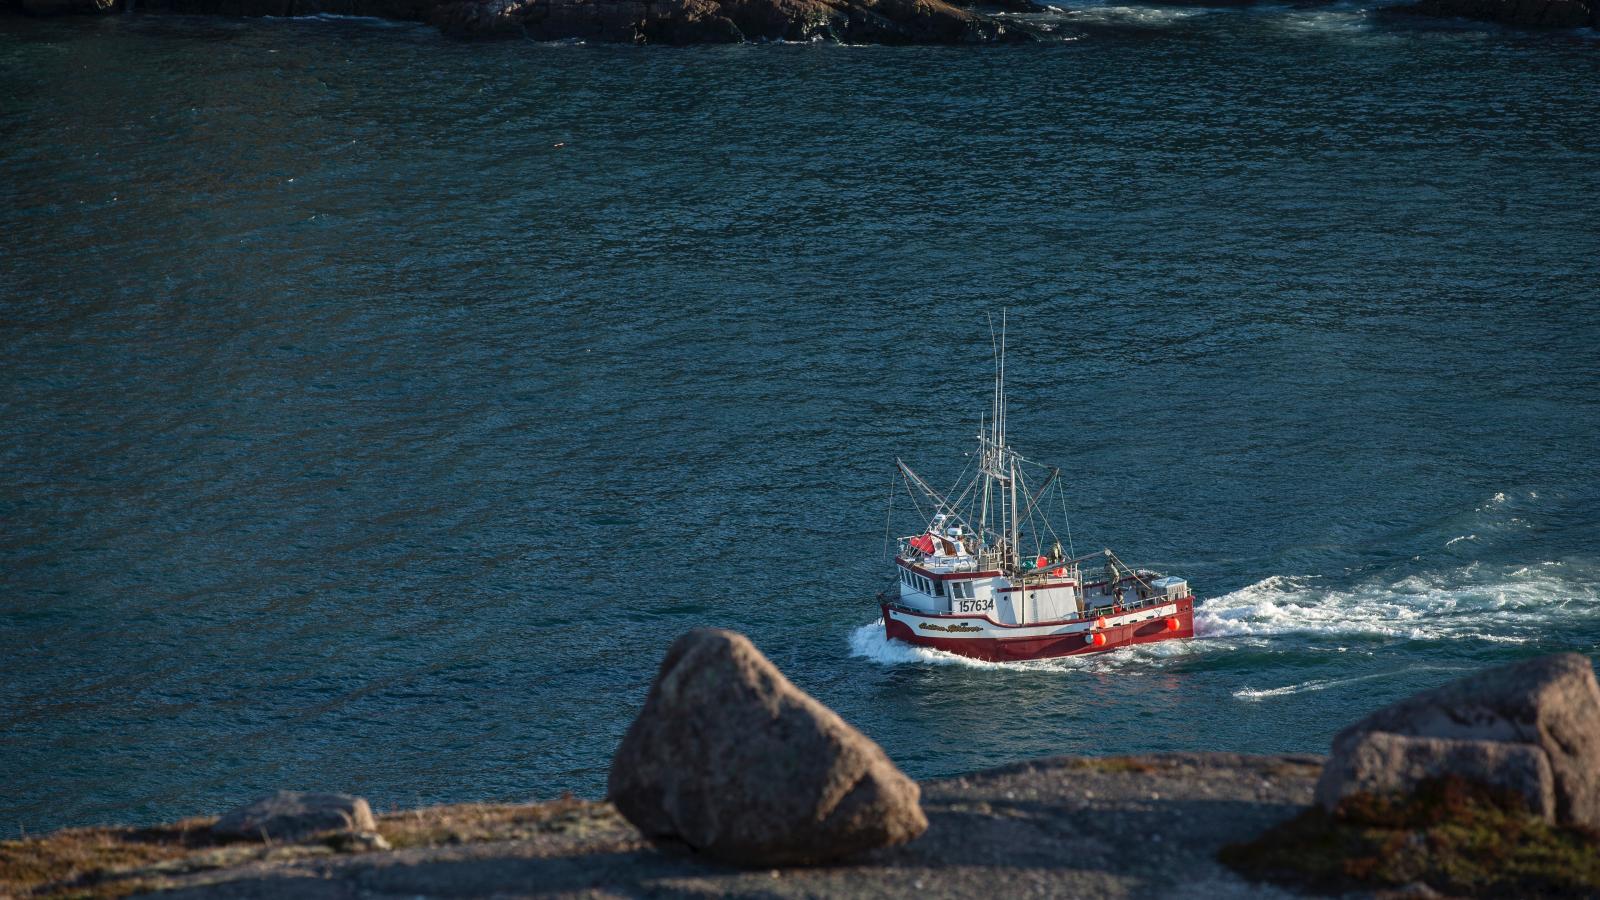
998,463
1016,520
983,469
1009,458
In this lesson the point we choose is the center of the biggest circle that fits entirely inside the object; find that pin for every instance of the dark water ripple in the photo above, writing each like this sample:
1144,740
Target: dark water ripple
355,437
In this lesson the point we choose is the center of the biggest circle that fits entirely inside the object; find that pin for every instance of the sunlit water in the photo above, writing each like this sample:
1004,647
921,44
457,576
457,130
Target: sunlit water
356,437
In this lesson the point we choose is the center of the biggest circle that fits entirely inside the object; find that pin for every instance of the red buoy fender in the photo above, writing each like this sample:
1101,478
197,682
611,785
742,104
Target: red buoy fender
1099,640
1100,622
1172,625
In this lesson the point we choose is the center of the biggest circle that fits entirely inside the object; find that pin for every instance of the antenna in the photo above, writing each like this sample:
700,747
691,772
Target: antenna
994,345
1000,388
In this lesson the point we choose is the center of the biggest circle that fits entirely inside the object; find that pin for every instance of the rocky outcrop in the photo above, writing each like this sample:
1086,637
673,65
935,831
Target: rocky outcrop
64,7
1533,13
403,10
730,758
628,21
1382,763
724,21
292,815
1551,704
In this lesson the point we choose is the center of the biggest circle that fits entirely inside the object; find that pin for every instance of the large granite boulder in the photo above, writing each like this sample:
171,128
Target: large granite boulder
1551,703
730,758
292,815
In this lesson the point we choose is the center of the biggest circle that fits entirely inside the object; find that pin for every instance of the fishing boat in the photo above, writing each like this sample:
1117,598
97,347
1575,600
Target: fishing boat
988,577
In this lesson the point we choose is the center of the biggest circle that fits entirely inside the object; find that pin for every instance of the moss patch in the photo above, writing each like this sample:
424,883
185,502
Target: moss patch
1457,837
78,862
469,823
1116,764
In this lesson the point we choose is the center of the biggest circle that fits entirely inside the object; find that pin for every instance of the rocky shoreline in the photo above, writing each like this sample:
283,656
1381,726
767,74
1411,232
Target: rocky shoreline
626,21
1089,827
681,22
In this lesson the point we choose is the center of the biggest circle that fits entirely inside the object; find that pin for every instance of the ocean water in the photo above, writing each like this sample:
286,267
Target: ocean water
355,436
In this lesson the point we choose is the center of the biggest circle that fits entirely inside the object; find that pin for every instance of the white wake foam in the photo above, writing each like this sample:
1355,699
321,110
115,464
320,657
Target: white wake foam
1327,21
1511,605
339,17
1322,684
1141,16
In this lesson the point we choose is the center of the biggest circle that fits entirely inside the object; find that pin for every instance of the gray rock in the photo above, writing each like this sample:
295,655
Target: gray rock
1552,702
730,758
292,815
1379,762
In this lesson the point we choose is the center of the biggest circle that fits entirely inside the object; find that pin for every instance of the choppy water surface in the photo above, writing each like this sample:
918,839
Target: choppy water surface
353,436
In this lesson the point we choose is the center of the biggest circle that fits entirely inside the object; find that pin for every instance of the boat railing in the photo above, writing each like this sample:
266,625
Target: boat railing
1116,608
942,563
1089,614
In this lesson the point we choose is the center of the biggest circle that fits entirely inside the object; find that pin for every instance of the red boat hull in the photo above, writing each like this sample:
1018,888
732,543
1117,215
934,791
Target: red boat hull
1012,649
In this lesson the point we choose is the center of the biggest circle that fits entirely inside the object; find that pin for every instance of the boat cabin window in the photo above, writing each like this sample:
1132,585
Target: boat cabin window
961,590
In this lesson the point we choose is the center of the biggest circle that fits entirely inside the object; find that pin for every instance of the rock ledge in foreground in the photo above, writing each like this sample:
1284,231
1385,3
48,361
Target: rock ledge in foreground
1382,763
1547,707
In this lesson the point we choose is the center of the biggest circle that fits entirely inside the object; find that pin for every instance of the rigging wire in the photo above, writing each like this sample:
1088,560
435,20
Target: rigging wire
955,505
1061,493
915,505
888,518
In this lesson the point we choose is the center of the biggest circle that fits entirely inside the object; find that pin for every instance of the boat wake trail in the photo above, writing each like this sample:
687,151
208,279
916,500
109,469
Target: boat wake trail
1509,604
1322,684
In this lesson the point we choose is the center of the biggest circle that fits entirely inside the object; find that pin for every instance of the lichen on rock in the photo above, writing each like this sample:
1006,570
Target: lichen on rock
1551,703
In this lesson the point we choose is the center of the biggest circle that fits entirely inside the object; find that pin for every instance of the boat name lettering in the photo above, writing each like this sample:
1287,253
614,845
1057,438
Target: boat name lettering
959,626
